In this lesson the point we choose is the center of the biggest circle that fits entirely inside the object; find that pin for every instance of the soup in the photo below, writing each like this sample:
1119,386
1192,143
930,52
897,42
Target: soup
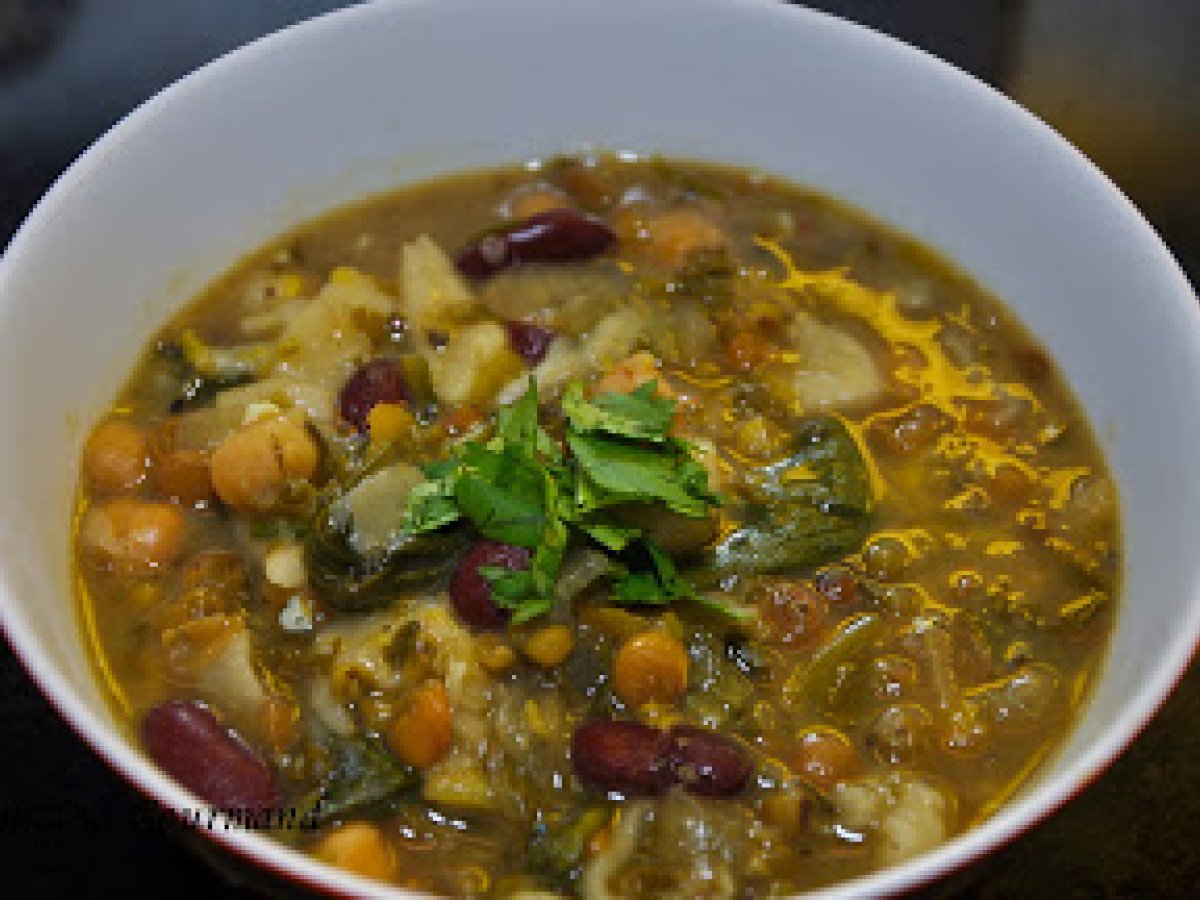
606,527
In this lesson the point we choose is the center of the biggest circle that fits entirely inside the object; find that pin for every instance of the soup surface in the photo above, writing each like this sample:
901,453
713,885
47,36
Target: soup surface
598,527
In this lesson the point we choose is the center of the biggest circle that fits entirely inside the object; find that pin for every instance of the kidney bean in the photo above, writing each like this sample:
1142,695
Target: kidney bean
529,341
377,381
623,756
708,763
841,588
185,739
557,235
470,593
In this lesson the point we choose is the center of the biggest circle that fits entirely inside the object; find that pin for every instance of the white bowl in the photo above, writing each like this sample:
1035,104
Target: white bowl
387,93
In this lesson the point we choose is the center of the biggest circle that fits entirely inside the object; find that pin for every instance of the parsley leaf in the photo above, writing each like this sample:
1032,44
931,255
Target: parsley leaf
621,471
519,489
502,493
641,415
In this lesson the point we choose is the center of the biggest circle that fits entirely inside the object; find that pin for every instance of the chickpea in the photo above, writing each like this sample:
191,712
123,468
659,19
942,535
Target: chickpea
185,476
548,647
128,532
824,757
251,468
494,653
360,848
114,457
650,667
678,237
422,734
630,374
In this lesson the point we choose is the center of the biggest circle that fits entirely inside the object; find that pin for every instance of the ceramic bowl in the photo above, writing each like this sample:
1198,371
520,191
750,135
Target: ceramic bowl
387,93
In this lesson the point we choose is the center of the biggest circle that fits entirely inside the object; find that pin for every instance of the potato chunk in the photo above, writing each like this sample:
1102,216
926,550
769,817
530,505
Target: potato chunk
473,365
834,369
434,295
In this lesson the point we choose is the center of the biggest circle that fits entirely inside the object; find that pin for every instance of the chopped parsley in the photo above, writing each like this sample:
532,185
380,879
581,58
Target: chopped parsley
520,488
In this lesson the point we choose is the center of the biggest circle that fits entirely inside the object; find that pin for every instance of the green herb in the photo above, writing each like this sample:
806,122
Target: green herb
519,489
810,508
850,641
640,415
364,776
352,577
557,853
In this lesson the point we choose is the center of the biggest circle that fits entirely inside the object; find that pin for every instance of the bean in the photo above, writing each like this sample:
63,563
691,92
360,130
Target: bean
557,235
708,763
470,592
825,757
899,733
529,341
131,533
792,613
252,467
841,588
377,381
188,743
651,667
114,457
357,847
422,734
623,756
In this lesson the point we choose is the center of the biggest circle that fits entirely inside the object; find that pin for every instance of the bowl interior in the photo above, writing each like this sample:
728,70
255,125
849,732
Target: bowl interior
394,92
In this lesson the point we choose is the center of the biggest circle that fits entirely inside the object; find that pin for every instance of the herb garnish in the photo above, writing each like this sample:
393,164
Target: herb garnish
520,488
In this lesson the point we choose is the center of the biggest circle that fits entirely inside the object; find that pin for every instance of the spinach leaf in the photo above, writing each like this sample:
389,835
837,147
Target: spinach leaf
350,577
556,854
811,507
364,775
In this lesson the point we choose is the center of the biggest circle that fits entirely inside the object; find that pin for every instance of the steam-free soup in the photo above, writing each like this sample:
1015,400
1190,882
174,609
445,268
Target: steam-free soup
598,527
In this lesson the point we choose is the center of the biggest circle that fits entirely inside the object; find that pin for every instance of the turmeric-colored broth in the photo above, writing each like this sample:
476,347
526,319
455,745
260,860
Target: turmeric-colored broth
887,621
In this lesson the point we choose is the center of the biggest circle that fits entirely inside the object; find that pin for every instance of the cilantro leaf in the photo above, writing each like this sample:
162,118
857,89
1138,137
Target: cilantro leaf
641,415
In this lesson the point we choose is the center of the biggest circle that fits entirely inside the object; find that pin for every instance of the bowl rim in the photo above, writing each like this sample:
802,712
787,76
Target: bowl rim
1019,815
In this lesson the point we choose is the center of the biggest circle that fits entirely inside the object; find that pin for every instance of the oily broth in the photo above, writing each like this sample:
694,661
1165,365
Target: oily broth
981,528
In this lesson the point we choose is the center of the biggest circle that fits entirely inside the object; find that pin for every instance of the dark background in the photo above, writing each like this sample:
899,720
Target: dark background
1115,76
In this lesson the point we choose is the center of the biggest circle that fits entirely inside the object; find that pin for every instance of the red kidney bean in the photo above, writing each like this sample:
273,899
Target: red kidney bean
470,593
623,756
188,743
529,341
708,763
841,588
557,235
377,381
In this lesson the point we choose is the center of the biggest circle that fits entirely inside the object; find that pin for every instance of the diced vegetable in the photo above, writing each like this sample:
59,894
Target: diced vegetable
808,508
